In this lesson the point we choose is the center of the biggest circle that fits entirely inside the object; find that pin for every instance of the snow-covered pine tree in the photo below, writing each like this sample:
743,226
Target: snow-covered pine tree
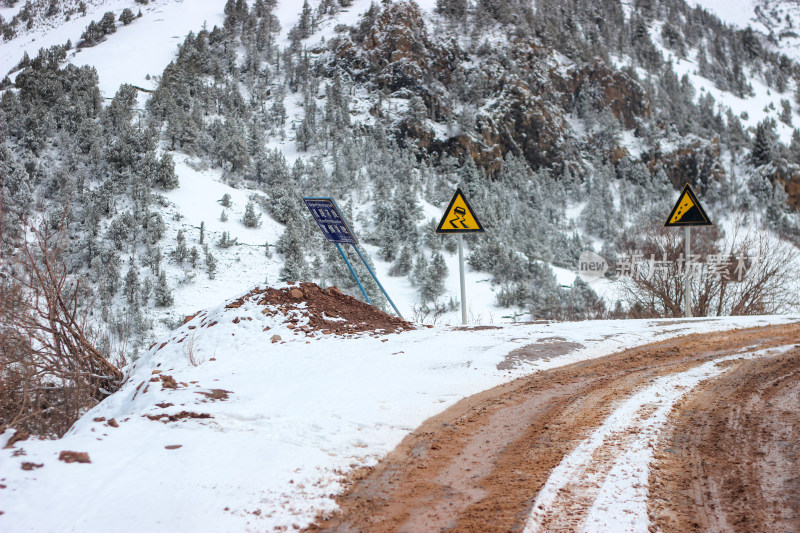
163,294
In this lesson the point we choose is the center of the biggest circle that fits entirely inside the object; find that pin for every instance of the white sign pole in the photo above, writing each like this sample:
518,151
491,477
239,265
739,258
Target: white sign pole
687,290
461,275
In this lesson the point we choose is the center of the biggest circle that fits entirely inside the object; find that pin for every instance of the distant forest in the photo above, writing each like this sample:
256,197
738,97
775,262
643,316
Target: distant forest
529,109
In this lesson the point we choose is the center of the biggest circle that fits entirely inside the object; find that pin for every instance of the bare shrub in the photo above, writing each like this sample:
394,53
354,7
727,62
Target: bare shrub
746,273
191,353
50,370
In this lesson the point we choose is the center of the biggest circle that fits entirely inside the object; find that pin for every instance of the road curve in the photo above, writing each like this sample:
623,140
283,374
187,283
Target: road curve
480,465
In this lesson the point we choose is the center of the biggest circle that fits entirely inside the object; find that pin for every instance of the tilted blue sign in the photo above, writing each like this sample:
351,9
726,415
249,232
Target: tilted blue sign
330,220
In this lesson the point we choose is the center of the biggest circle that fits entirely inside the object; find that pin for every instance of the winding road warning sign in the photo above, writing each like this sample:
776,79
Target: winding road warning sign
688,211
459,217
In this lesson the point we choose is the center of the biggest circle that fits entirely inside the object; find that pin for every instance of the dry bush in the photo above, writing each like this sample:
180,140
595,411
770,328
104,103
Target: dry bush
50,370
745,273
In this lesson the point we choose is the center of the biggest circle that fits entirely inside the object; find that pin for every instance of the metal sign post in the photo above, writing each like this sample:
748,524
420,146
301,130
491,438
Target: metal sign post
459,218
330,220
687,289
369,269
353,273
461,277
687,213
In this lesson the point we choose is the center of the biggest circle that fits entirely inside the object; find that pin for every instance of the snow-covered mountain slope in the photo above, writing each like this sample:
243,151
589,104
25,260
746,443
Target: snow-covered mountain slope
778,19
248,417
133,54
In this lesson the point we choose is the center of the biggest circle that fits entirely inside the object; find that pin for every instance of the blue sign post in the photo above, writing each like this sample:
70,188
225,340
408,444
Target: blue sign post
333,225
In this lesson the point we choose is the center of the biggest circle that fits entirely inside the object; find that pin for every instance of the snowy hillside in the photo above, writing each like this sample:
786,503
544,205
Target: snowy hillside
778,19
137,53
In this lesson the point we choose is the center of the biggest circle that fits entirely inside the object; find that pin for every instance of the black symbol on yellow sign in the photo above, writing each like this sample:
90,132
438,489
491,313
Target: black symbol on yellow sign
461,214
688,211
459,217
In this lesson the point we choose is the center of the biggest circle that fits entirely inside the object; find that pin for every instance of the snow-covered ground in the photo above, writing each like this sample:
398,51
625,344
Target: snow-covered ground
299,415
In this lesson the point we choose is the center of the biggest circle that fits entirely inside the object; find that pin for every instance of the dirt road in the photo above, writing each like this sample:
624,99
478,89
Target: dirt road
727,459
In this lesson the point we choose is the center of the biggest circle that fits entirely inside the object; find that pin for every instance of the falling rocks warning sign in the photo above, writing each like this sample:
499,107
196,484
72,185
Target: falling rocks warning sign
688,211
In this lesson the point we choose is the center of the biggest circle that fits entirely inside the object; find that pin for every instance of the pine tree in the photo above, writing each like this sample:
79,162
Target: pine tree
404,262
147,289
132,286
126,17
786,112
432,285
761,154
250,218
304,25
225,240
180,252
211,264
194,256
163,294
454,9
165,176
420,270
290,246
108,24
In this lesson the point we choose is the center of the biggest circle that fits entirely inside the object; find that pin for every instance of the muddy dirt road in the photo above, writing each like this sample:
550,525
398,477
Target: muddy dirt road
725,457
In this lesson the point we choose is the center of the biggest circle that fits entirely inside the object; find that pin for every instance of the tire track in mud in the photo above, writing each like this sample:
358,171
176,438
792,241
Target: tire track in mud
479,465
730,460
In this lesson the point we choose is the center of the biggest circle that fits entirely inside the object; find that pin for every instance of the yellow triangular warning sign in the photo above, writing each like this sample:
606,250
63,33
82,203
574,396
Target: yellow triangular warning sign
459,217
688,211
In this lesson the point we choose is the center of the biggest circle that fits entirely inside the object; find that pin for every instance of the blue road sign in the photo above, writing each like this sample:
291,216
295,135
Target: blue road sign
330,220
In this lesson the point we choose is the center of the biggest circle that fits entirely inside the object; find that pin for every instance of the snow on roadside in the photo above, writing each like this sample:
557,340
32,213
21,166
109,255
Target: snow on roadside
261,433
620,494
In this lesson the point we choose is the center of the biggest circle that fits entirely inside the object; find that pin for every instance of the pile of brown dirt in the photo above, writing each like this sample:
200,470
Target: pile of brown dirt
328,311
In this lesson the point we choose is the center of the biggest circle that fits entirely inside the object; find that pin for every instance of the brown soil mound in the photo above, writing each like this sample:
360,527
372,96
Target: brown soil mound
328,311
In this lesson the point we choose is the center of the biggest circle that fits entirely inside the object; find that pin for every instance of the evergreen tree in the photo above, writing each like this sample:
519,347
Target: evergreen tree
108,24
132,286
761,154
432,285
454,9
165,176
404,262
211,264
290,246
420,270
126,17
180,252
250,218
194,256
163,294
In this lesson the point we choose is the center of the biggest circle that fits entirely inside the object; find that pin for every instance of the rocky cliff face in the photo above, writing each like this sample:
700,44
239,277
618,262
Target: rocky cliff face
521,94
695,162
606,88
